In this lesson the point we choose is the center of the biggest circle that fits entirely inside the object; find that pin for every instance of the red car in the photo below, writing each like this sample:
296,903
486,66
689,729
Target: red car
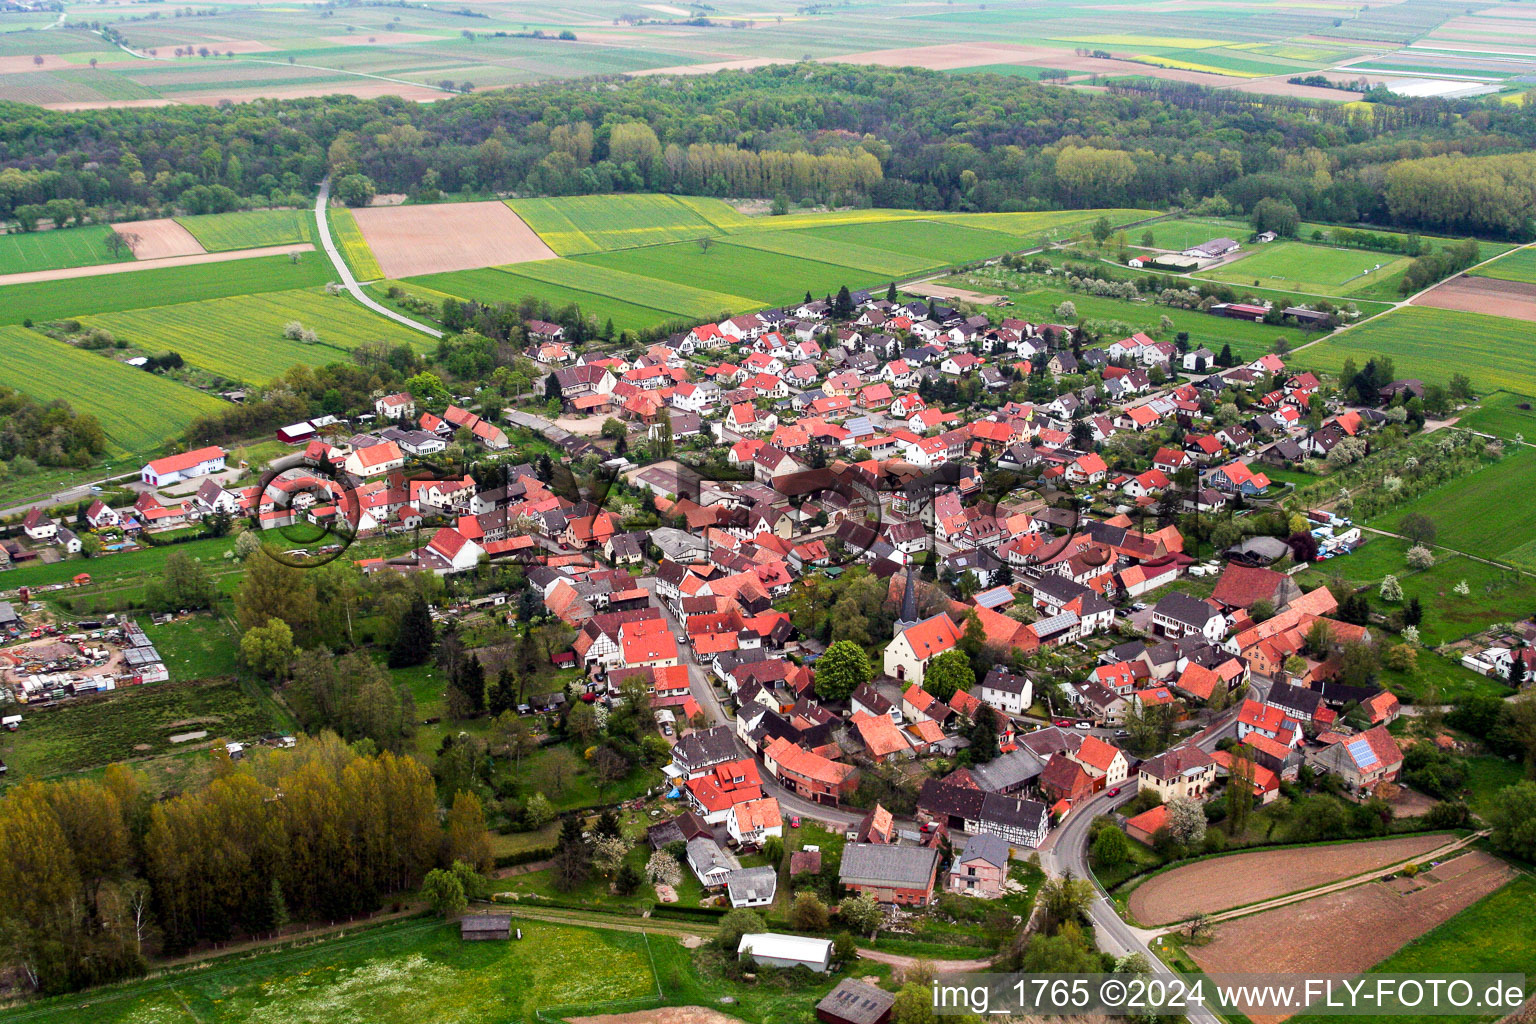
1115,791
794,821
1062,723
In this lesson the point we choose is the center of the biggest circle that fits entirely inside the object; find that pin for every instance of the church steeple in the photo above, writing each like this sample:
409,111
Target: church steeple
908,614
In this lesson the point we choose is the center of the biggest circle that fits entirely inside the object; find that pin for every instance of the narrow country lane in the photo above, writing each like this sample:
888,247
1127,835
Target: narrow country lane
322,225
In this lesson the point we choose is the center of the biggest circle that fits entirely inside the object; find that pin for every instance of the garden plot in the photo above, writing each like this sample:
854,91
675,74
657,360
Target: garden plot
410,240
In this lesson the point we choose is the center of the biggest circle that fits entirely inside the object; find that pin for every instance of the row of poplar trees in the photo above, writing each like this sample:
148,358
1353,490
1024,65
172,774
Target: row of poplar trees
96,876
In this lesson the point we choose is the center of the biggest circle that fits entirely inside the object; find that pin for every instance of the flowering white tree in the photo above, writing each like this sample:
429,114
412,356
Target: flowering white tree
1419,557
663,869
1411,634
1391,590
1461,589
1186,821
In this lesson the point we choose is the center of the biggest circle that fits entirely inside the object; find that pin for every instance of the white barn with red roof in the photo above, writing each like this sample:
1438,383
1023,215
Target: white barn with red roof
176,468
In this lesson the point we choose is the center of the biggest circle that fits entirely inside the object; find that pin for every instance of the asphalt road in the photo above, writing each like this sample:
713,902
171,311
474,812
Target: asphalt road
703,691
328,244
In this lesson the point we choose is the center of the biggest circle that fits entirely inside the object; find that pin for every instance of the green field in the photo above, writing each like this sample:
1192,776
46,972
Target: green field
718,212
1495,934
132,722
1248,340
766,278
110,293
1299,266
51,250
1487,513
1500,414
241,337
1433,345
353,246
583,224
1519,265
138,410
250,229
634,288
196,647
493,285
945,242
811,245
417,970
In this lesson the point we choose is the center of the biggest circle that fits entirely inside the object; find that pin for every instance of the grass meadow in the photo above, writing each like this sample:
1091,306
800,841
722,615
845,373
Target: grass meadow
131,723
1433,345
54,300
241,337
138,411
52,250
1500,414
1487,513
249,229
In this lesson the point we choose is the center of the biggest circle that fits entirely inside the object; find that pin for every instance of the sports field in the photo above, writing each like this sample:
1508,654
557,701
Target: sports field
1487,513
1519,265
250,229
241,337
52,250
1182,234
583,224
52,300
1432,345
352,245
1309,268
139,411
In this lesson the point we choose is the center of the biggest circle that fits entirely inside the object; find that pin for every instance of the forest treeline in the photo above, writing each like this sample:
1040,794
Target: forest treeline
95,875
855,135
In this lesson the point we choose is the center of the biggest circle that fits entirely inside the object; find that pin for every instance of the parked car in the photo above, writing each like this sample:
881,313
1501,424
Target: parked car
794,821
1062,723
1115,791
1084,725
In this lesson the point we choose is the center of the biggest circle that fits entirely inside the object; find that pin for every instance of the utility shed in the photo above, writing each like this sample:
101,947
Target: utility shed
772,949
485,927
855,1002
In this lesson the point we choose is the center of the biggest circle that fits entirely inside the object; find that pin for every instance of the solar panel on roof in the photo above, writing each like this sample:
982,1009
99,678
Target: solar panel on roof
1361,751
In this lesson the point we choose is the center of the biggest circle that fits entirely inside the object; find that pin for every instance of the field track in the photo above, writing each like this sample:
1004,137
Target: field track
69,273
436,239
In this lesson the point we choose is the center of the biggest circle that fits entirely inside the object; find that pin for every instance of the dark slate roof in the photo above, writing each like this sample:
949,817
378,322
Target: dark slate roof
906,867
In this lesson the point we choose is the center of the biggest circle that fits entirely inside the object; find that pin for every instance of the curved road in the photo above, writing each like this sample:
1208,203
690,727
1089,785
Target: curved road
328,244
1067,852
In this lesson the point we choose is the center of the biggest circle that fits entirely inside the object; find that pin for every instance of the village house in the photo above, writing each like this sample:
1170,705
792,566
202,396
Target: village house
176,468
1185,771
980,867
903,875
